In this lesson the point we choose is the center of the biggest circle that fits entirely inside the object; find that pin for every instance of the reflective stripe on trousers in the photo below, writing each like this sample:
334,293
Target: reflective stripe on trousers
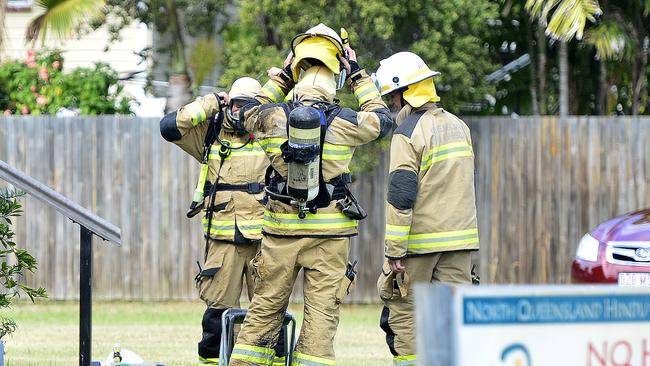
311,221
406,360
208,361
259,355
307,360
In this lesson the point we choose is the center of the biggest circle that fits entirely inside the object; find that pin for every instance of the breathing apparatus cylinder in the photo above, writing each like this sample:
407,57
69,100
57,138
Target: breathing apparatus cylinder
304,150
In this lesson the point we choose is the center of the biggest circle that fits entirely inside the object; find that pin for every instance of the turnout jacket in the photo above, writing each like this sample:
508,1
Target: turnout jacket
431,201
348,130
238,214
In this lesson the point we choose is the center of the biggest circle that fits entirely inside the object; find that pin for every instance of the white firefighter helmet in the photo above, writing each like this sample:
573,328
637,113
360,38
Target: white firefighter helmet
245,87
407,72
401,70
243,90
321,43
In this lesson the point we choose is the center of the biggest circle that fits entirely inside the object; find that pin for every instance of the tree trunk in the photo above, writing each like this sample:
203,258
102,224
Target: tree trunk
603,88
639,79
178,93
533,75
541,68
564,79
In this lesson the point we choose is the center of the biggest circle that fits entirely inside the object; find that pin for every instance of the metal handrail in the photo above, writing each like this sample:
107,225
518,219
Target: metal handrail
65,206
90,224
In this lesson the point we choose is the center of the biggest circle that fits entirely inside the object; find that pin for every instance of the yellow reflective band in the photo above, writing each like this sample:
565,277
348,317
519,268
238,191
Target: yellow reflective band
197,112
208,361
443,239
279,361
251,227
336,152
255,354
303,359
444,152
272,144
406,360
311,221
397,232
273,91
248,150
417,74
366,92
219,227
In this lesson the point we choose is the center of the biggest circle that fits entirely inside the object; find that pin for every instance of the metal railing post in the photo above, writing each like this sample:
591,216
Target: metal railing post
85,295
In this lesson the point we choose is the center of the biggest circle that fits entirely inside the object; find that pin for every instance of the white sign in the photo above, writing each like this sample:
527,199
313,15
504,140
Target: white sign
533,326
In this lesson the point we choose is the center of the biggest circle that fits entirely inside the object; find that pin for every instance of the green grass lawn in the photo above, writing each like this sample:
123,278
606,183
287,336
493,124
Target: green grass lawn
48,332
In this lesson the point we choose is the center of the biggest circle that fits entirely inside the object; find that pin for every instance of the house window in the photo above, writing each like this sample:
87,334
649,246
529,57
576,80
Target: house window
19,5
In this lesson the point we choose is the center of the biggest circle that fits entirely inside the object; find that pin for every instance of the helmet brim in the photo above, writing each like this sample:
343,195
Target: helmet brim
301,37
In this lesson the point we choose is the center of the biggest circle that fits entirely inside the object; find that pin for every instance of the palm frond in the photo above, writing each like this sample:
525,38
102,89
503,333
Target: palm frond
611,41
61,17
568,19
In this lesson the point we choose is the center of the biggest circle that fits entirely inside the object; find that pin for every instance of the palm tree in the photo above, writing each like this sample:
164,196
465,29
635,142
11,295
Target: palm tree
61,17
568,20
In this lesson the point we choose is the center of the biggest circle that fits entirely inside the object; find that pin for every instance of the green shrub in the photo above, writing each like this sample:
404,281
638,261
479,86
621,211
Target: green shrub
14,262
38,86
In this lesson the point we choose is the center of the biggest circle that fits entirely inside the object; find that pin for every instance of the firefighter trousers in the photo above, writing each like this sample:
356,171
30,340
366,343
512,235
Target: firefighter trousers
323,261
396,290
220,284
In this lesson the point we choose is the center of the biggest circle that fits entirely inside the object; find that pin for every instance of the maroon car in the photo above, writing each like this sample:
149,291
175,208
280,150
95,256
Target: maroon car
616,251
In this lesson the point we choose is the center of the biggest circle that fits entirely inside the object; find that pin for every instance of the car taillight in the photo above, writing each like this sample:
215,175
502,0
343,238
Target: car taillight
588,248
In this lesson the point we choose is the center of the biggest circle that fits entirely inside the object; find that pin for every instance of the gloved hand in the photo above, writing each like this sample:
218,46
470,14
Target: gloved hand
223,99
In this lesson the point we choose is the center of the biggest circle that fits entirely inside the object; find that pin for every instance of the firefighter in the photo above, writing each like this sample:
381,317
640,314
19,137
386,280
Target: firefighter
210,129
431,225
304,229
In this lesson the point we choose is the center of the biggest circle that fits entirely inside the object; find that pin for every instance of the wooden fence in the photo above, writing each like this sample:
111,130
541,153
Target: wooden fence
541,184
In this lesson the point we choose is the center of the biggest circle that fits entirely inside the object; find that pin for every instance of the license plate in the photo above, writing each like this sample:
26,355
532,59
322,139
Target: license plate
634,279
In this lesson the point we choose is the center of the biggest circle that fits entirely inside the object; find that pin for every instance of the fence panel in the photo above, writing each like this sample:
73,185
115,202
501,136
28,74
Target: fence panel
541,183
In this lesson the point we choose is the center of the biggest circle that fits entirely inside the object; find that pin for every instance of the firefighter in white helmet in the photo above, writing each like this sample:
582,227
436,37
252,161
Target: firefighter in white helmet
431,225
230,192
311,214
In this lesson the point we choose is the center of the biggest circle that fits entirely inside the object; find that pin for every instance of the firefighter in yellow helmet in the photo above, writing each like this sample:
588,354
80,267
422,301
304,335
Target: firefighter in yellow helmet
431,225
311,214
230,191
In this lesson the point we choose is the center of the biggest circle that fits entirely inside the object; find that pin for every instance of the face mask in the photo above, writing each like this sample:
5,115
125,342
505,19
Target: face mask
234,116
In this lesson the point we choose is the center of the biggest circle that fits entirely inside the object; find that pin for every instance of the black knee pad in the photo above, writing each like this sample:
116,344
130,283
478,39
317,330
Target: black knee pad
390,335
211,341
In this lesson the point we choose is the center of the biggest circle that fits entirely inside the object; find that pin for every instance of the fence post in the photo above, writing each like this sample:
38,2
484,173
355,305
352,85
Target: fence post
85,297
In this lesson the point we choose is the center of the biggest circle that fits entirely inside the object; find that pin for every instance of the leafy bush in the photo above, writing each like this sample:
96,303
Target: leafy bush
14,262
38,86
